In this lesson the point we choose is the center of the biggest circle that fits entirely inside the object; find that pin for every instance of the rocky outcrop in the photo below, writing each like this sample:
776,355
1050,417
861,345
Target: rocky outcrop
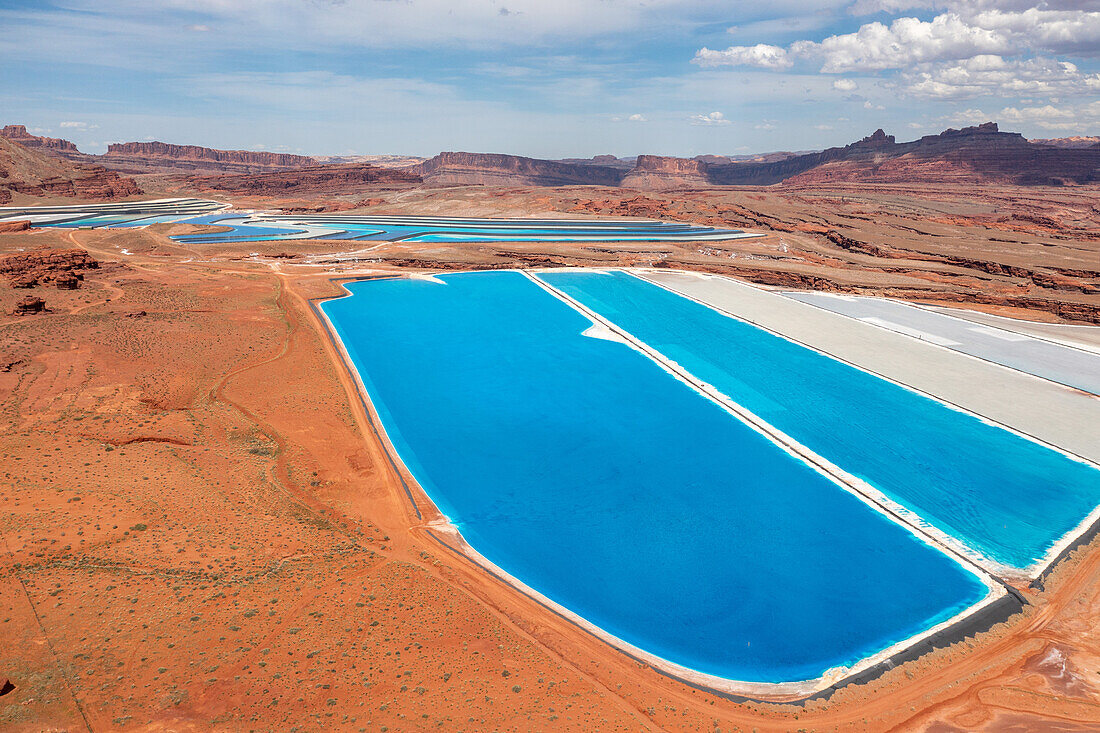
68,281
330,179
659,172
10,227
19,134
494,169
638,206
166,157
62,267
28,306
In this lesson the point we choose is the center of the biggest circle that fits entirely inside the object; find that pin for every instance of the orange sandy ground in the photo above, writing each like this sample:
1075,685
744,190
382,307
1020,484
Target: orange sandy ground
200,532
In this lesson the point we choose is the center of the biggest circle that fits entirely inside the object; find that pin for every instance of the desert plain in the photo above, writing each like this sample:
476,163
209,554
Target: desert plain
202,529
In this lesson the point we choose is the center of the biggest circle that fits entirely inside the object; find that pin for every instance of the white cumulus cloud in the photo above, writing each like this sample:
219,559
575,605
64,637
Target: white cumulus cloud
845,85
711,118
966,30
982,75
762,55
904,42
1080,118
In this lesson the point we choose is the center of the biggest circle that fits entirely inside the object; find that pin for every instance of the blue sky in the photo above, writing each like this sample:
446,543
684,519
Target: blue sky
547,78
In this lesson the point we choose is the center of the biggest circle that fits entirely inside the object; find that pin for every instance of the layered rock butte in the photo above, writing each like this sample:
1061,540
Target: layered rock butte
56,145
28,174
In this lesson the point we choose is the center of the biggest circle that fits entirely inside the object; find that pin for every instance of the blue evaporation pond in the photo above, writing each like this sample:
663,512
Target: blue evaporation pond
553,235
212,219
239,232
583,469
1005,496
88,221
147,220
435,231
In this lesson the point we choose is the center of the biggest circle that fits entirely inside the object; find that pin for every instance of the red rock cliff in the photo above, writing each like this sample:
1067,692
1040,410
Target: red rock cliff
19,134
194,152
156,156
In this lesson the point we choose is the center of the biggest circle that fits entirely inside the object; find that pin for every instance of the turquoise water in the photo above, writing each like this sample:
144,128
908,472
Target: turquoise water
245,227
1007,497
444,229
583,469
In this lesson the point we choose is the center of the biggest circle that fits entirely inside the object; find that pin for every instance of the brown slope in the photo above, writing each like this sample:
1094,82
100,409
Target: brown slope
26,175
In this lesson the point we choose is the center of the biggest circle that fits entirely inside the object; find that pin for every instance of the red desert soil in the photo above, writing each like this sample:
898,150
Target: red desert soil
201,530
